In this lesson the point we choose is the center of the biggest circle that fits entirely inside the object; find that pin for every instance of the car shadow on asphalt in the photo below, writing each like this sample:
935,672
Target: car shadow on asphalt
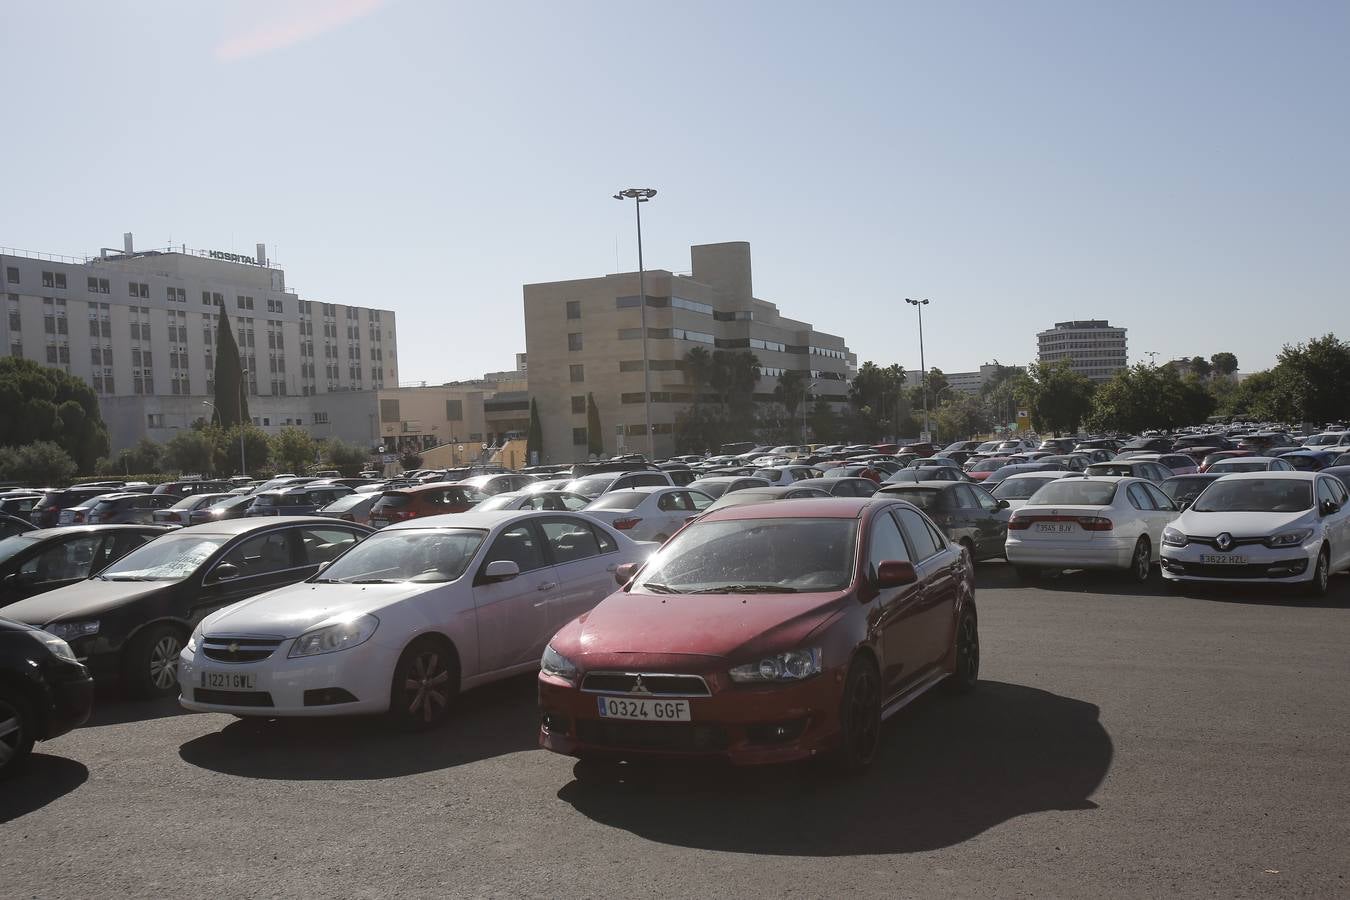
490,721
111,707
43,779
949,769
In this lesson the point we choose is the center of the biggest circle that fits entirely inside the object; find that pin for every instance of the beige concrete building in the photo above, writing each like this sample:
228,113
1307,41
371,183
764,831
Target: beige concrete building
585,336
1093,347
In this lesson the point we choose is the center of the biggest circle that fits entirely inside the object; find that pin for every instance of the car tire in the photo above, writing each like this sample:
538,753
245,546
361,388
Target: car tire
425,685
150,662
1027,573
1321,579
1141,561
859,718
16,730
965,655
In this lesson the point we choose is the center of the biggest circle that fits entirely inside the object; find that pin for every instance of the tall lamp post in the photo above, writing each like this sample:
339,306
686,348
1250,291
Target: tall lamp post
806,396
640,196
923,366
215,413
239,414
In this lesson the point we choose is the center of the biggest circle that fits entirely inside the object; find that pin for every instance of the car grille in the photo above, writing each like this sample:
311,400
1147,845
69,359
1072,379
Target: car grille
656,684
1237,541
641,736
239,650
232,698
1283,569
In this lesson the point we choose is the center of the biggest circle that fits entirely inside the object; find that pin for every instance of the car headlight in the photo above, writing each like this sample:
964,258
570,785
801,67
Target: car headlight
793,665
1173,538
335,637
1289,538
557,665
59,648
195,640
69,631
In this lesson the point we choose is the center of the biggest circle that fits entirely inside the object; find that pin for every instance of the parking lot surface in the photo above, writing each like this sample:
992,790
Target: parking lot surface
1123,742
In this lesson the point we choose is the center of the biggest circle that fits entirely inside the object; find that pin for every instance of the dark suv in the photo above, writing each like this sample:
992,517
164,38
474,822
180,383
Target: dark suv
129,509
198,486
46,513
297,501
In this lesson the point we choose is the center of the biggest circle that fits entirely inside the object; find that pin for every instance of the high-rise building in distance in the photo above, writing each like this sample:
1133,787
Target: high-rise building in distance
1092,346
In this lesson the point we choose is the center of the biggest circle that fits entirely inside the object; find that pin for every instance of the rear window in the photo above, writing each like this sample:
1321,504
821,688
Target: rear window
342,504
1109,469
923,498
1019,488
620,500
1075,492
591,486
989,465
265,500
392,501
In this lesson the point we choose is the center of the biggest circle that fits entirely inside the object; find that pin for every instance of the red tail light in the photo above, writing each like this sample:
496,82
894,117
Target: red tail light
1087,523
625,524
1095,523
1016,524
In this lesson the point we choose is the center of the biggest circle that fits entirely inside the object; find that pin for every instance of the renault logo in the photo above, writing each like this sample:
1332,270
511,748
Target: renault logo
638,687
1224,541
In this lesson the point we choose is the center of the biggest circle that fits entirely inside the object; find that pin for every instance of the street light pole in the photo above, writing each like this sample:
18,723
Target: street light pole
806,395
640,196
239,414
923,375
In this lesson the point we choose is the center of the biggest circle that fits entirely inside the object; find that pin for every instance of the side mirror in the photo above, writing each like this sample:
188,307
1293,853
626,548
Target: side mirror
1003,504
624,573
323,565
224,572
893,574
13,579
501,570
1328,507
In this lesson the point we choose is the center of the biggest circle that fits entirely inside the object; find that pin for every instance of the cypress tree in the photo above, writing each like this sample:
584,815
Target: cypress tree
534,440
595,438
231,396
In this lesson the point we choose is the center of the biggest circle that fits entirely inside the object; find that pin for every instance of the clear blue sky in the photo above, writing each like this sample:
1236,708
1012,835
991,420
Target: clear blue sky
1178,168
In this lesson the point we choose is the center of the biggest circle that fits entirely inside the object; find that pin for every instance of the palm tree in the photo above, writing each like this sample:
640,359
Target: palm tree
698,371
791,391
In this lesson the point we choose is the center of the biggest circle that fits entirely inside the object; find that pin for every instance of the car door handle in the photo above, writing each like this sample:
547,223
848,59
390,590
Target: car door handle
547,586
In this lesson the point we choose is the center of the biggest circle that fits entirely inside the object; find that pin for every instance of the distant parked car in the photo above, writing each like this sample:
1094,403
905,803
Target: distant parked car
46,559
855,471
786,474
558,501
1131,468
717,485
602,482
980,469
1307,460
798,491
425,500
966,514
235,507
1250,464
188,487
304,500
19,503
80,512
193,509
128,509
925,473
649,513
500,483
1016,490
46,512
353,507
14,525
847,487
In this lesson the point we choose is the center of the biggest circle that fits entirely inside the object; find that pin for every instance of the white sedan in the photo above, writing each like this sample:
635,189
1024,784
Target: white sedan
427,608
1018,489
1104,522
1265,528
649,513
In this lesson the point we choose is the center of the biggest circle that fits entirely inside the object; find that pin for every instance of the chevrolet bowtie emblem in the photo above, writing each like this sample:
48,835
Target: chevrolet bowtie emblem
234,647
638,687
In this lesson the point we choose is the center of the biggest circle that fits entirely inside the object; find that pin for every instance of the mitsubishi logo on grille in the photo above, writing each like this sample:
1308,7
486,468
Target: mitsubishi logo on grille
1224,541
233,647
638,687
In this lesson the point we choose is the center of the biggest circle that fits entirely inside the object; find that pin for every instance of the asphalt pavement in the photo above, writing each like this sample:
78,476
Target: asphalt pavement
1121,743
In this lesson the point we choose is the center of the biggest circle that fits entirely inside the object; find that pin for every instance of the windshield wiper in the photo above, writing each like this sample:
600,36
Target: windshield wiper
746,589
370,581
657,588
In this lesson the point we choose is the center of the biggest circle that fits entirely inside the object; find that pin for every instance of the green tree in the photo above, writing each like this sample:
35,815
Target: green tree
735,373
1201,367
225,441
410,460
595,438
231,393
534,439
1058,398
40,463
1314,379
824,422
1223,363
880,401
936,383
960,416
190,452
790,391
39,403
145,457
1144,397
346,458
294,450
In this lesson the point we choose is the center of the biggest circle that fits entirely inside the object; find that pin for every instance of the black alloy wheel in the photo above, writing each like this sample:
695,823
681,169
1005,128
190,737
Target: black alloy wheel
860,717
1141,564
426,681
16,731
1321,579
966,651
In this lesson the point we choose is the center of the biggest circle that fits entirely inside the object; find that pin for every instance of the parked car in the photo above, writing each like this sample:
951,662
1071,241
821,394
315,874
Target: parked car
188,487
980,469
44,692
855,471
716,485
1263,441
966,513
408,619
1131,468
236,507
766,633
649,513
601,482
1328,440
1176,463
353,507
1094,522
499,483
1095,454
49,558
304,500
10,525
927,473
1147,444
403,504
787,474
847,487
19,503
1282,527
1250,464
129,622
1016,490
193,509
128,509
46,512
932,462
1307,460
1183,489
1069,462
558,501
993,479
1342,472
799,491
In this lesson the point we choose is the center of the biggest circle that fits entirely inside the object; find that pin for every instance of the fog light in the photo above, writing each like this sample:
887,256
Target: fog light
554,723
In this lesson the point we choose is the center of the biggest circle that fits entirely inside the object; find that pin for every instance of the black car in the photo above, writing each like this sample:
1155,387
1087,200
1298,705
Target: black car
1183,489
49,558
44,691
846,487
13,525
234,508
965,513
130,622
188,488
46,513
19,502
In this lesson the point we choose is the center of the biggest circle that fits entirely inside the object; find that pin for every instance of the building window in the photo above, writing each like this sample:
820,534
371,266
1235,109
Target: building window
574,309
321,418
574,341
579,437
54,280
389,410
576,373
454,410
630,365
12,274
579,404
630,334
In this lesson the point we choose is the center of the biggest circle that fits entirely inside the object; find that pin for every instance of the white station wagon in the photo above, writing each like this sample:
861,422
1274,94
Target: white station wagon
426,608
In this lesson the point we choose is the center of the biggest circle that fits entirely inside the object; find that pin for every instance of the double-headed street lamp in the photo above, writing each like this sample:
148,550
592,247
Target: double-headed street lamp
806,396
239,414
640,196
923,366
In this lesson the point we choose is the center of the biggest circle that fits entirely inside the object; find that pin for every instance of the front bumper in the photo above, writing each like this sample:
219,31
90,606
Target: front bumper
742,725
345,683
1262,565
1098,552
70,700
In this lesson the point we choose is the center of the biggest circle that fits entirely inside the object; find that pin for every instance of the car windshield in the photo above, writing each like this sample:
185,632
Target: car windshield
1322,440
591,486
620,500
171,557
13,545
1075,492
344,503
1185,488
1019,488
500,501
755,556
421,555
711,488
924,498
1255,495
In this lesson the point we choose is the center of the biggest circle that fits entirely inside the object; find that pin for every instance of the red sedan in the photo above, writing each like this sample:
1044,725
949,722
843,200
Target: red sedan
766,633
